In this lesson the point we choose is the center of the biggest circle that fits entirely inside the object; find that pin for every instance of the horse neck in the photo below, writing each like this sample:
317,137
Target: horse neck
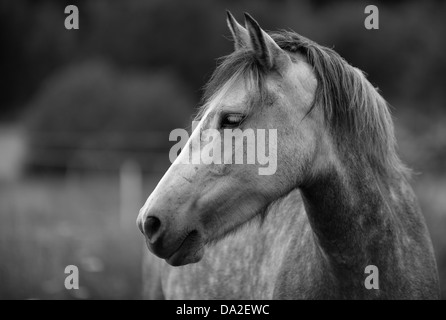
354,213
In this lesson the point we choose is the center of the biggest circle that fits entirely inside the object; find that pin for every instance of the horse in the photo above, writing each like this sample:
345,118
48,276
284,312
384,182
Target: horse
339,202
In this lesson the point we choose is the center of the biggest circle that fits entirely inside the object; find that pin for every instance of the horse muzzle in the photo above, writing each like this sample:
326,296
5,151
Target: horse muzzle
176,247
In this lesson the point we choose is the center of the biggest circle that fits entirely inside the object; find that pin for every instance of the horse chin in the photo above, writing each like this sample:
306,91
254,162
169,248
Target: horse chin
181,258
190,251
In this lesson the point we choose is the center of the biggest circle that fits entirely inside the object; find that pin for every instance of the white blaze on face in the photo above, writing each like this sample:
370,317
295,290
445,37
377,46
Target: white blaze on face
182,171
204,144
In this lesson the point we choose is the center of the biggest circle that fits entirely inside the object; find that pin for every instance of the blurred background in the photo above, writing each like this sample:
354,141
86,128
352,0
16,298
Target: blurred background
85,117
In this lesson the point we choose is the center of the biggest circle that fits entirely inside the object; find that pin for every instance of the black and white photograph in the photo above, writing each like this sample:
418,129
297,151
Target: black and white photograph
239,151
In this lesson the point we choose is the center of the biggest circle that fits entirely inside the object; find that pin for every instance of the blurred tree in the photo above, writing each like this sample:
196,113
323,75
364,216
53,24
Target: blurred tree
92,114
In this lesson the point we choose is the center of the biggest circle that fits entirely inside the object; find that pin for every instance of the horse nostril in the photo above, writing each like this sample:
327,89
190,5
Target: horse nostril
151,227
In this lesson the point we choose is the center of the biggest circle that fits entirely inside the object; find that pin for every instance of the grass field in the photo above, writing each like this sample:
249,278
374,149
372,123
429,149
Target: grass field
48,224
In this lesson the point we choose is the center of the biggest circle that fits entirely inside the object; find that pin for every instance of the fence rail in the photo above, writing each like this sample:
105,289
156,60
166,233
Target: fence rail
104,151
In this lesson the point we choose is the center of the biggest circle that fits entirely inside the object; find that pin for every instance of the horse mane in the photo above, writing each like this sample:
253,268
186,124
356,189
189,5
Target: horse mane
353,109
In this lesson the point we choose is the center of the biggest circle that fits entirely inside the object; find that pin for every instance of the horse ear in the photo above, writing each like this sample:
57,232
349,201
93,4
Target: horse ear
268,53
239,34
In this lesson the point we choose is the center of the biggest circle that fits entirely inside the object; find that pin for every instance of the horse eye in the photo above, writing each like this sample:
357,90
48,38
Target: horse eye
232,120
